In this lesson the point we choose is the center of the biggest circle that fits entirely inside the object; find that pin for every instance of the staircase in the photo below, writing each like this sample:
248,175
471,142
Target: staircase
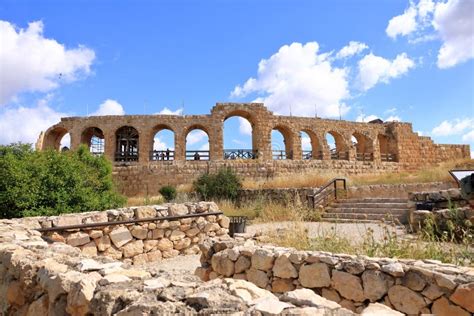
367,210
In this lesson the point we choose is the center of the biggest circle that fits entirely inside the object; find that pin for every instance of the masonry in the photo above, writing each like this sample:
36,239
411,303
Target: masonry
127,141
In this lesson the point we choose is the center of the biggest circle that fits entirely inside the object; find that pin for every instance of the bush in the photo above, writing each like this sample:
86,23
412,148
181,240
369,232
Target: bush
36,183
223,185
168,192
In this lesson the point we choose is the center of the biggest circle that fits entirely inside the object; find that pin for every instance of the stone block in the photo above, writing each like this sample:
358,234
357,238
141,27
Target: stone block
120,236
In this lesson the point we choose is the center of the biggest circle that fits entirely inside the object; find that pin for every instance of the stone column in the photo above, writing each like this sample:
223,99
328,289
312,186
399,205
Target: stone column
75,140
179,145
145,145
297,147
109,144
216,141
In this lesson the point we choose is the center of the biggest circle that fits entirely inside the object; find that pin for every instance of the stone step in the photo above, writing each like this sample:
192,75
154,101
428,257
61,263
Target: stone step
368,205
359,216
395,211
373,200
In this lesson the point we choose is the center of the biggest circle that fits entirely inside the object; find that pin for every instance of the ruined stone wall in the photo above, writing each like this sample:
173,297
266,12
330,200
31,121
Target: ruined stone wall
380,148
410,286
137,243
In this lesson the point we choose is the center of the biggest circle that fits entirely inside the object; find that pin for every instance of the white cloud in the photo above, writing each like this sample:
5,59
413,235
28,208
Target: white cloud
351,49
393,118
469,137
374,69
159,144
454,127
245,128
300,77
167,111
368,118
109,107
403,24
40,118
454,21
195,136
306,143
29,62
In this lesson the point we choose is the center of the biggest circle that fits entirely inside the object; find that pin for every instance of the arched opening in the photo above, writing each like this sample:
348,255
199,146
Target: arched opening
163,144
337,146
65,143
126,144
54,137
387,153
197,144
93,137
282,143
239,142
310,146
363,146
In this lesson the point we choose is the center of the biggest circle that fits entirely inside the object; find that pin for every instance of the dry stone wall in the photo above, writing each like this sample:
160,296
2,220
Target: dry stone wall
409,286
141,242
385,147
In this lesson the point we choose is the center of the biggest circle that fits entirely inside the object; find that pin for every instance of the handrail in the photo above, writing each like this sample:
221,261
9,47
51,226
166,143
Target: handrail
333,182
130,221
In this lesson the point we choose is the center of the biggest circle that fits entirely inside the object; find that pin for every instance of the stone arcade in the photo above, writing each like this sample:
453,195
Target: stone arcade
128,142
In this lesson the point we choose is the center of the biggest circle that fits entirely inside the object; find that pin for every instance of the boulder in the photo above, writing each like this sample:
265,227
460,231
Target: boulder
376,284
306,297
263,259
377,309
348,285
177,209
120,236
78,239
283,268
282,285
145,212
406,300
394,269
443,307
257,277
464,296
132,249
314,275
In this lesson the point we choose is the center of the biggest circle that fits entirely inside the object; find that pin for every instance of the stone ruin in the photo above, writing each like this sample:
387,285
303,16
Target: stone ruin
127,141
64,265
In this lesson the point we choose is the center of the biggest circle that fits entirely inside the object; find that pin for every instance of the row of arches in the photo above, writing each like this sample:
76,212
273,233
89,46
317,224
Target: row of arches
197,144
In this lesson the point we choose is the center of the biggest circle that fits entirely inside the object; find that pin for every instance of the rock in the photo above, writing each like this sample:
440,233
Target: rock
348,285
77,239
306,297
132,249
214,298
102,243
445,281
348,305
113,253
242,264
406,300
192,232
432,292
67,220
224,221
353,267
165,244
262,259
314,275
149,245
154,256
120,236
145,212
86,265
113,278
247,291
177,209
464,296
222,265
95,234
414,281
177,235
442,307
377,309
89,249
271,306
170,253
283,268
139,232
81,293
158,233
140,259
331,295
282,285
15,294
182,244
298,257
154,284
394,269
376,284
39,307
257,277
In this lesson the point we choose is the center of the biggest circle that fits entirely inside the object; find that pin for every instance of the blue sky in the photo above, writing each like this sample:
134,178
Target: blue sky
394,59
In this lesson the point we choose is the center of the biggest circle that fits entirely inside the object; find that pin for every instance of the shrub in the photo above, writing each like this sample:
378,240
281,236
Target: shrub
168,192
36,183
225,184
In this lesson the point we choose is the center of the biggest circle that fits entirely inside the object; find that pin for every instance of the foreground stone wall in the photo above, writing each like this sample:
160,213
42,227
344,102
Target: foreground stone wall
140,242
408,286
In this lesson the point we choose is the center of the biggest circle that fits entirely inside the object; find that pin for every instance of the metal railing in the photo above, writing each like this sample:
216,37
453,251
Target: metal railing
388,157
364,156
161,155
308,155
328,192
281,155
197,155
130,221
339,155
126,156
234,154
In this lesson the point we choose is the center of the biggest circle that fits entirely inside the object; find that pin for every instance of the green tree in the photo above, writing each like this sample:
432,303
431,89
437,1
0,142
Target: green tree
50,182
225,184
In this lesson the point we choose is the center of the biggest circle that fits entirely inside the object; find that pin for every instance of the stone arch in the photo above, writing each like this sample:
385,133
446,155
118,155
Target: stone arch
53,136
387,150
316,148
159,153
288,142
363,146
94,138
241,153
340,150
126,140
202,153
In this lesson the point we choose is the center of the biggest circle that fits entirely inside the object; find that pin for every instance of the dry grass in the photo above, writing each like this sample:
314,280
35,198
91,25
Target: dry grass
139,201
316,179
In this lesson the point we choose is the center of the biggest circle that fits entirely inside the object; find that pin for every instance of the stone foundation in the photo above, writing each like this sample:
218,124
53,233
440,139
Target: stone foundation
409,286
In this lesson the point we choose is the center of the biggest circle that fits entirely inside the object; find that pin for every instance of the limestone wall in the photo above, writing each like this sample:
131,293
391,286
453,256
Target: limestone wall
409,286
142,242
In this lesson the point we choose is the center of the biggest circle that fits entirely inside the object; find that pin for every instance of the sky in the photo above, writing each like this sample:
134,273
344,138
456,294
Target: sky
410,61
